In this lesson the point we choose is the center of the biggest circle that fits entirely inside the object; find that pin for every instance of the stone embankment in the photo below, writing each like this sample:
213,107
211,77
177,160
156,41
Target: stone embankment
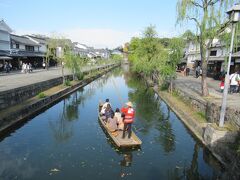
31,104
197,115
29,85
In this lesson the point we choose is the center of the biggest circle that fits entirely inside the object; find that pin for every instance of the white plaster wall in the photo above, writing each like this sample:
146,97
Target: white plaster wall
6,38
43,48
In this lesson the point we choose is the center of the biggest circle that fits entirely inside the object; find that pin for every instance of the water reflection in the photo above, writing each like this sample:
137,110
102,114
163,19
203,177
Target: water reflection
126,154
169,151
15,168
62,128
153,113
125,163
149,108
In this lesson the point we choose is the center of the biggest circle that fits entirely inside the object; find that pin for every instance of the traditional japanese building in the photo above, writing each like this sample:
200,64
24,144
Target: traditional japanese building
25,50
5,31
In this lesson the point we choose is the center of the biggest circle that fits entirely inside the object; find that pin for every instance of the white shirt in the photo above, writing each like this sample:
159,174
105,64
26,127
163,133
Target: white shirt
232,78
104,107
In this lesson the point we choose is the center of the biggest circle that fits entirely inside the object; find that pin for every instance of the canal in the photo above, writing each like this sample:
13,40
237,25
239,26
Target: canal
66,141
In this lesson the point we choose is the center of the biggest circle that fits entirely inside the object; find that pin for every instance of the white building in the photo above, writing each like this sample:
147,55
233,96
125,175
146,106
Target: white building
86,51
5,31
192,54
40,40
217,55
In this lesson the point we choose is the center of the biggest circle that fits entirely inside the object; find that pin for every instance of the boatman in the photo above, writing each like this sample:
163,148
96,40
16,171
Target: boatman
128,119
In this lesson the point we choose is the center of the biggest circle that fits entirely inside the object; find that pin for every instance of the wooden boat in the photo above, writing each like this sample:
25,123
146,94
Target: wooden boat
117,136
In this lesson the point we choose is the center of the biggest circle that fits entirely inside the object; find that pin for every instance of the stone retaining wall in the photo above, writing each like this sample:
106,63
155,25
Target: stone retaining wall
210,109
18,95
7,120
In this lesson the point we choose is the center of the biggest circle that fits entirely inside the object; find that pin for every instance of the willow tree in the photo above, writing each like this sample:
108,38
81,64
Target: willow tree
208,16
74,63
146,52
50,51
176,47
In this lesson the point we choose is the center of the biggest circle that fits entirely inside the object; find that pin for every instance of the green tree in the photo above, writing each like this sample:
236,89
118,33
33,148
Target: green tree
74,63
147,54
188,35
176,53
116,57
51,50
208,16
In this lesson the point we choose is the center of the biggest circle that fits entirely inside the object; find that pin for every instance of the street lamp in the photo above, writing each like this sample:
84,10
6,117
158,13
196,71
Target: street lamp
234,17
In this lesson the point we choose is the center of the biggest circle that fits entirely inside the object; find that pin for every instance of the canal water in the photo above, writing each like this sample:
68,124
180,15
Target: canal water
66,141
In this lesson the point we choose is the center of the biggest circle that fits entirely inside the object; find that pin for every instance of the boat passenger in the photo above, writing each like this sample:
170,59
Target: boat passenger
112,123
108,113
129,118
105,106
119,117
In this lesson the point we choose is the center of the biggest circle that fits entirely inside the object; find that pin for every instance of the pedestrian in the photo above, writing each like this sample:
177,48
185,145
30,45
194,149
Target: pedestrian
234,78
6,67
221,85
27,68
44,65
35,65
1,66
30,67
128,119
24,69
10,66
198,71
187,71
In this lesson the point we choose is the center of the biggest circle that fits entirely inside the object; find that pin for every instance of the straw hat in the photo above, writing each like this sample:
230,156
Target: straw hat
129,104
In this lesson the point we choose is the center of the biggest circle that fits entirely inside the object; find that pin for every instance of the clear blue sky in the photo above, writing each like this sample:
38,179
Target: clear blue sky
123,18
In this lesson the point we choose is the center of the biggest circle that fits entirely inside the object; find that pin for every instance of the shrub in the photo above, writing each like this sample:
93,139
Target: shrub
201,114
67,82
80,76
41,95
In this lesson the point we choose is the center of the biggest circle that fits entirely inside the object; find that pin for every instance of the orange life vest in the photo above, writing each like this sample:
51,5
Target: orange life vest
129,115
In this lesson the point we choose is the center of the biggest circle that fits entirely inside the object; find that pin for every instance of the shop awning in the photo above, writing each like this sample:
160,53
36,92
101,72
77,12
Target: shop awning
5,58
217,58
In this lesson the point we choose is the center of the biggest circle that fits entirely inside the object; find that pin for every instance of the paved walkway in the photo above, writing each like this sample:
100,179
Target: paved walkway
17,79
193,85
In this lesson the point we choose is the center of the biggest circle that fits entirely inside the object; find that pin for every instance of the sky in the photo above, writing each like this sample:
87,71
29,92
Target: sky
98,23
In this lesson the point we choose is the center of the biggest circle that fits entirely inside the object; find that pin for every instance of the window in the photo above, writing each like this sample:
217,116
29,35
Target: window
29,48
17,46
213,53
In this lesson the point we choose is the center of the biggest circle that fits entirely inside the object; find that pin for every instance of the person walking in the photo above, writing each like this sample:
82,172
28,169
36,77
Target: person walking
128,119
234,78
198,71
187,71
44,65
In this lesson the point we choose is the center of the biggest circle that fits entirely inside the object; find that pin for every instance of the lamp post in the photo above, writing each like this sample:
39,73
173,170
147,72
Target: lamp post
234,17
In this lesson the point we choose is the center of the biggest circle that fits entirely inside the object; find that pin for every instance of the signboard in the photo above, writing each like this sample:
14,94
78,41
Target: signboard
59,52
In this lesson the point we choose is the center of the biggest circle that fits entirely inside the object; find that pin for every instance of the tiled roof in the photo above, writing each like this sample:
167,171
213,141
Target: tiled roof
22,40
40,40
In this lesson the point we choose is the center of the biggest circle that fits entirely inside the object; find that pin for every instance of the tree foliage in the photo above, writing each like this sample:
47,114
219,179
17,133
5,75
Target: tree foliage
74,63
208,15
146,53
149,56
